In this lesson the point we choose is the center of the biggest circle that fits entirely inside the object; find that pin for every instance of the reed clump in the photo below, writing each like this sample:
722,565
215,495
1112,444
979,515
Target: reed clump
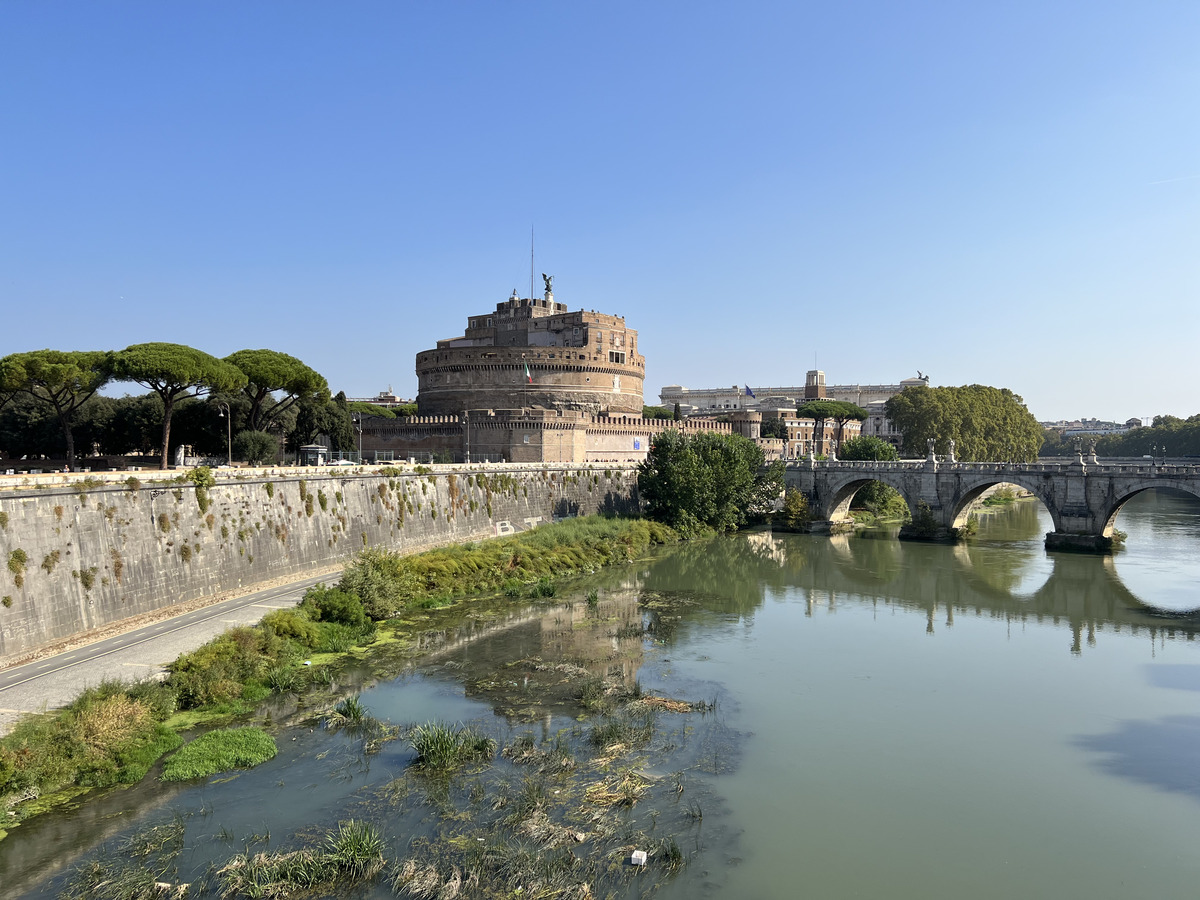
443,748
350,854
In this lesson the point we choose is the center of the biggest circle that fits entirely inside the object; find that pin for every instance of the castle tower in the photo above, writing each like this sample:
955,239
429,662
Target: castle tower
532,353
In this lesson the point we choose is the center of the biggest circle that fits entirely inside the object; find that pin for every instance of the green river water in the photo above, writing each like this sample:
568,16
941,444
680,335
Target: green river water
886,719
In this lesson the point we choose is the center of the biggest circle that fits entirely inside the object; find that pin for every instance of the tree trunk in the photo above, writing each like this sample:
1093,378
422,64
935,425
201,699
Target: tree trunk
168,408
70,445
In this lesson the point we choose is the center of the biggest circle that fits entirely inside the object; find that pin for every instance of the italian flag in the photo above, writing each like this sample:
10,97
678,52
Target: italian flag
528,377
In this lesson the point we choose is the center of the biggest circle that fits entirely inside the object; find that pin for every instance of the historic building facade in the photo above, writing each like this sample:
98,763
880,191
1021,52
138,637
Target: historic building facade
534,353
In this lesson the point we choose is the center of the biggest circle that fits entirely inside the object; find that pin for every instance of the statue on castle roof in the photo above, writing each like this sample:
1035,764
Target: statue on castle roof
549,279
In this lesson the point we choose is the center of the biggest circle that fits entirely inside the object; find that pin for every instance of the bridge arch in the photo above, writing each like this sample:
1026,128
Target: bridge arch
842,491
964,499
1131,491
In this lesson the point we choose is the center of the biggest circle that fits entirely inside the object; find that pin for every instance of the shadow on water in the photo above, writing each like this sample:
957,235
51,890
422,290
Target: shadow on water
1176,676
1164,753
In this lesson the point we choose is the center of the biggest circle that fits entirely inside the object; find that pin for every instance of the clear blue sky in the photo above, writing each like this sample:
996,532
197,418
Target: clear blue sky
1001,193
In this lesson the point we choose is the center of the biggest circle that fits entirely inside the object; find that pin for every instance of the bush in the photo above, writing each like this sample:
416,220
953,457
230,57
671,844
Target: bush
334,605
795,514
255,447
294,625
220,751
219,671
380,581
109,735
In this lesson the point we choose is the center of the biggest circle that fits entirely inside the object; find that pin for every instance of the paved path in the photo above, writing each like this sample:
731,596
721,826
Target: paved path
56,680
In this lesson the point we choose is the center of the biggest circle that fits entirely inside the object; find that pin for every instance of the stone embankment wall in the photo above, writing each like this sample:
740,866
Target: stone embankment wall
85,556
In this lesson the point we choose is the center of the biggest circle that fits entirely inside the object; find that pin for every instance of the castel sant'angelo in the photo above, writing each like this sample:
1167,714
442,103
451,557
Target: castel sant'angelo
534,353
530,381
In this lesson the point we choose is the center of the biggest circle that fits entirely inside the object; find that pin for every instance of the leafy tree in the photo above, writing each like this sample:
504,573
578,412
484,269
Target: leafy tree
676,414
1055,443
985,423
62,379
28,429
175,372
331,418
875,496
867,447
773,428
366,408
795,514
1179,437
343,436
135,425
656,412
255,447
202,426
270,374
706,481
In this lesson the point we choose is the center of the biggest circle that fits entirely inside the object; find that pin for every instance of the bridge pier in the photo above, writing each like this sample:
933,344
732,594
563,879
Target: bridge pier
1079,543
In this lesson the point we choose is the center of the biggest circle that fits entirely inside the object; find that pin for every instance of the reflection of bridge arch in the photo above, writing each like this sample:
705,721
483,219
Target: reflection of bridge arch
1133,490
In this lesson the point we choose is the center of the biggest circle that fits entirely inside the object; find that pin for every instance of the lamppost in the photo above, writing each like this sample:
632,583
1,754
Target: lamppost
228,417
356,418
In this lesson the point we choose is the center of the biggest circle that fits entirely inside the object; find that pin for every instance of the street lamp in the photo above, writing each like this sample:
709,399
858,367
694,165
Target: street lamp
356,418
225,414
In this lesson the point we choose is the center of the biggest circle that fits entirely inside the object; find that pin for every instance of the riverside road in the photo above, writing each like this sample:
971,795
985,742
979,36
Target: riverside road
54,681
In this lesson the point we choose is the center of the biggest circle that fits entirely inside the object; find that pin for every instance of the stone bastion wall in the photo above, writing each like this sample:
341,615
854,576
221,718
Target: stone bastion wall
96,551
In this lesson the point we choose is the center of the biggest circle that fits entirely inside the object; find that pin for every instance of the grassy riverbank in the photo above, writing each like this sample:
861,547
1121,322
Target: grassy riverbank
114,733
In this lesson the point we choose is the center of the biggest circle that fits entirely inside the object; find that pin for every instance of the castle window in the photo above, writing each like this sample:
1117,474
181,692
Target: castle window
616,356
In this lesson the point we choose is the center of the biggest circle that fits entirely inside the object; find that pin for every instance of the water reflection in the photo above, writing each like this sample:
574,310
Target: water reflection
1161,560
1004,573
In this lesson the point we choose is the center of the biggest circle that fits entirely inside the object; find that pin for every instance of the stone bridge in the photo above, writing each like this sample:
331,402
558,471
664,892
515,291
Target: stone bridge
1082,496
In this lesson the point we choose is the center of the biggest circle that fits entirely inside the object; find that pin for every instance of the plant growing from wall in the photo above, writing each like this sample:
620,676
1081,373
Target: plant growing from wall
16,565
203,478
